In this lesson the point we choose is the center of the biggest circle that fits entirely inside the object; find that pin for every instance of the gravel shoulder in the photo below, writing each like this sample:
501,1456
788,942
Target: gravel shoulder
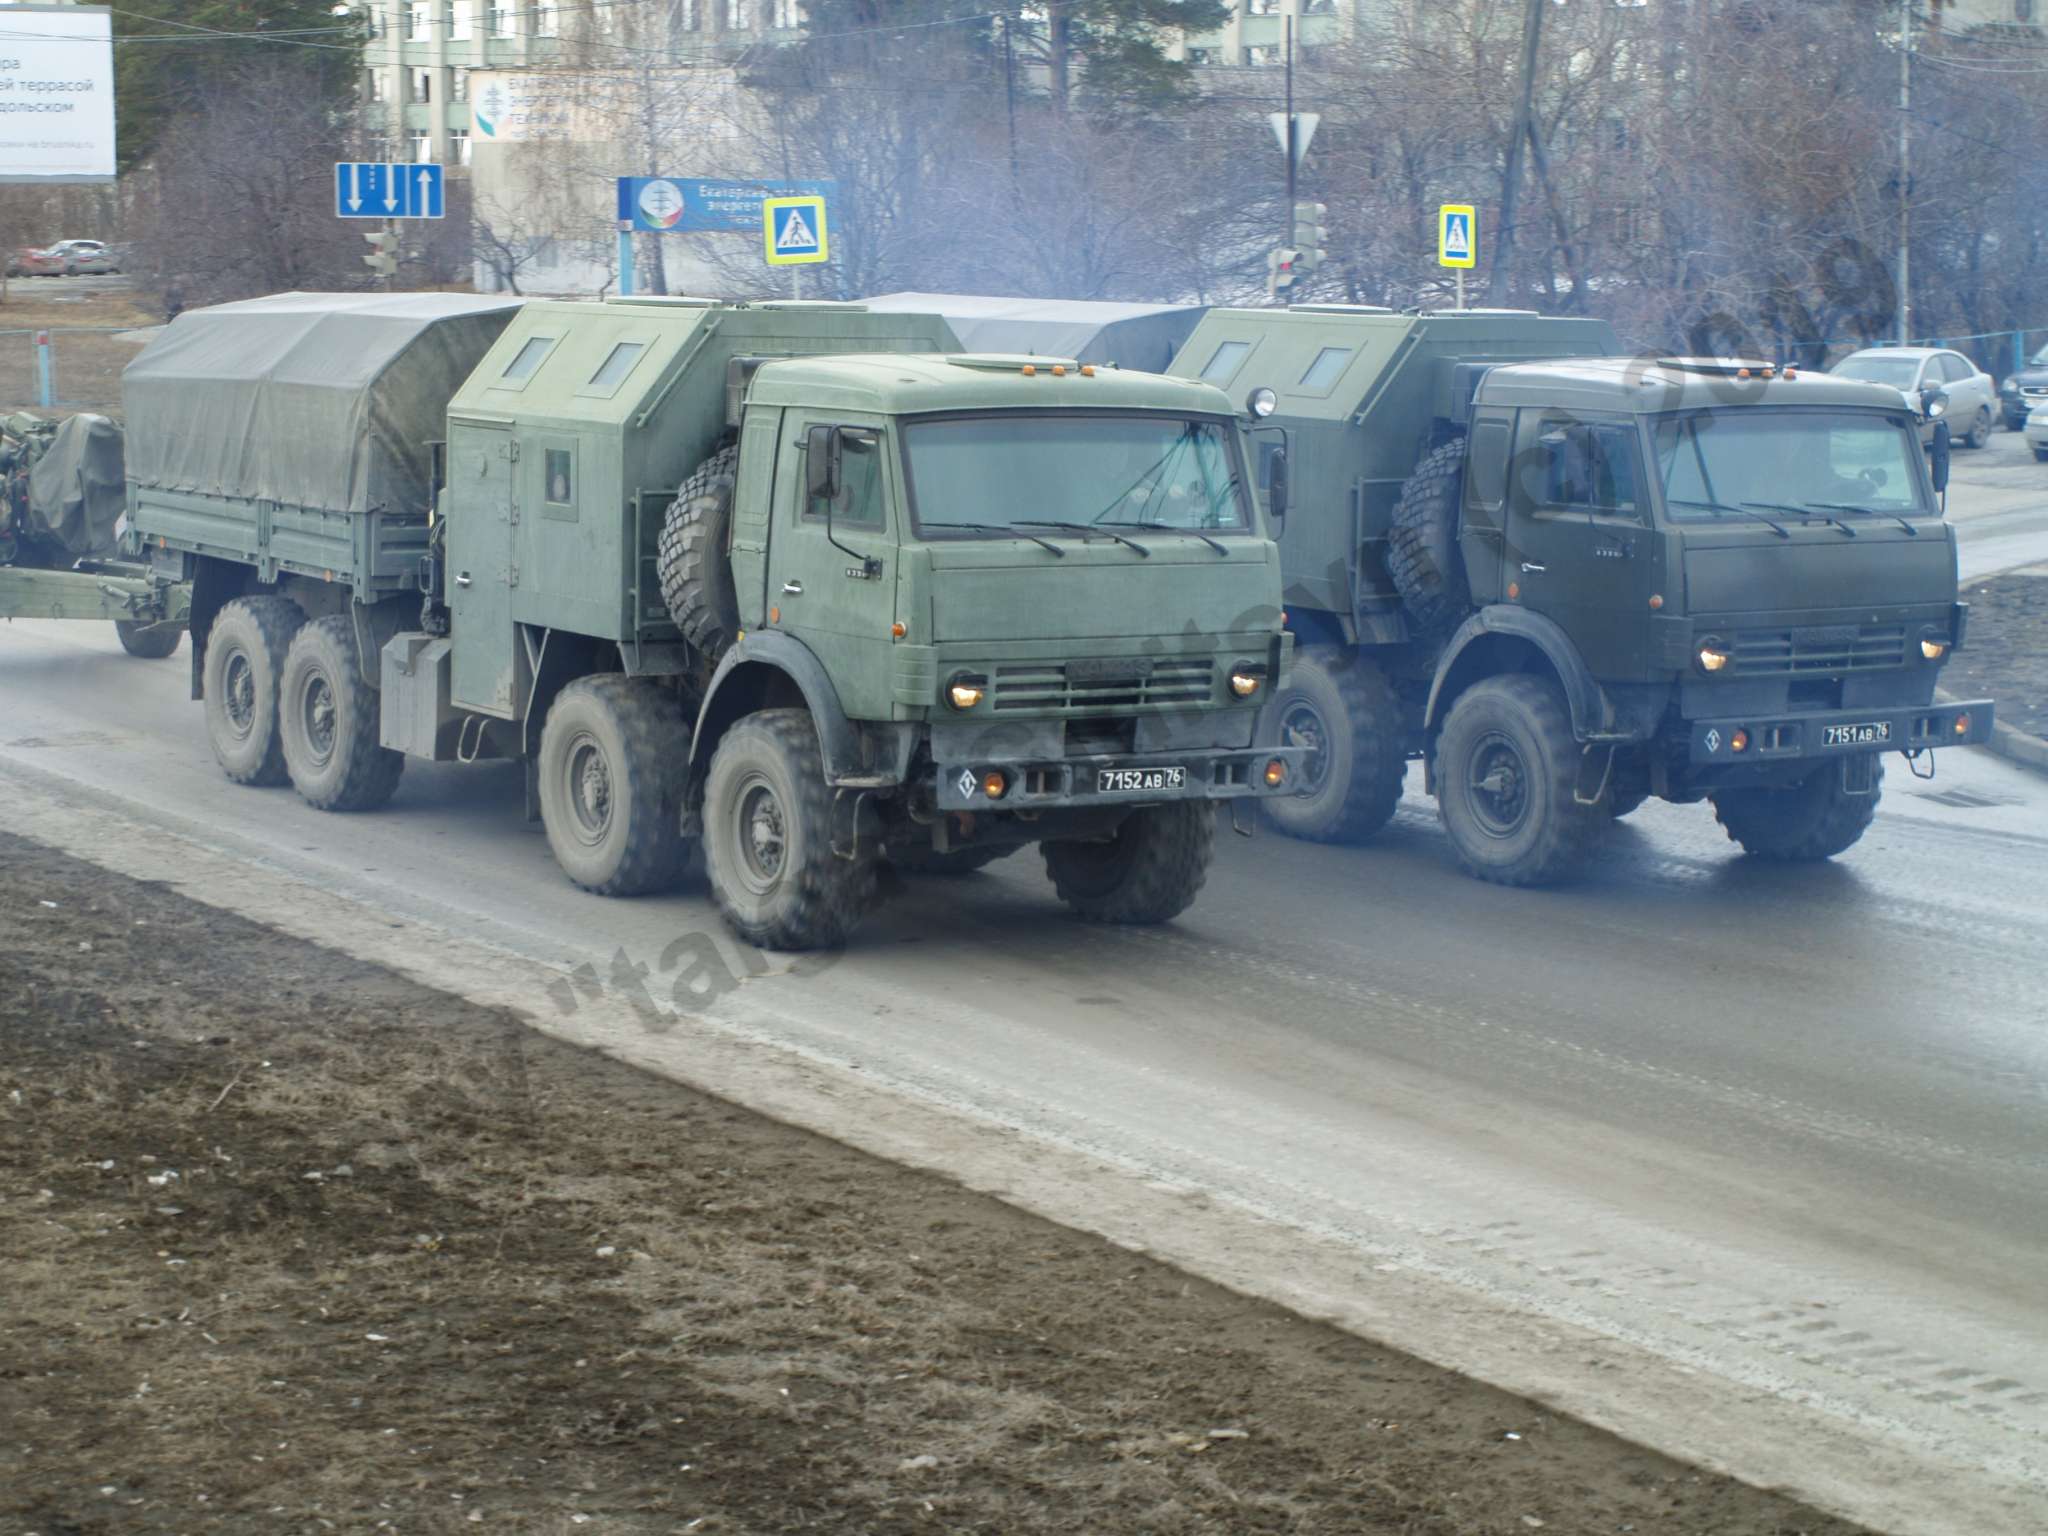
2005,657
296,1244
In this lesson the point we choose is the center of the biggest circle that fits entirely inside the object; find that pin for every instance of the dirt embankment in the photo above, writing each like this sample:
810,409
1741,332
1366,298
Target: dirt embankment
292,1244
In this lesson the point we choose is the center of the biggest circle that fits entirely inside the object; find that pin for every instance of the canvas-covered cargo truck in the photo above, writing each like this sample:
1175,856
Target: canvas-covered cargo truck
800,582
1568,580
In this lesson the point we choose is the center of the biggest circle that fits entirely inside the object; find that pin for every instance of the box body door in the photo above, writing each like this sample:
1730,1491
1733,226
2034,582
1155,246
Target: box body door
483,511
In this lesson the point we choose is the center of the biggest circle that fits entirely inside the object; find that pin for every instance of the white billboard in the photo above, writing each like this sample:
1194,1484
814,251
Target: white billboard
56,94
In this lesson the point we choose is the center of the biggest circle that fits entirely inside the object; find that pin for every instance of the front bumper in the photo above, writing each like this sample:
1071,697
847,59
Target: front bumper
1895,728
1069,782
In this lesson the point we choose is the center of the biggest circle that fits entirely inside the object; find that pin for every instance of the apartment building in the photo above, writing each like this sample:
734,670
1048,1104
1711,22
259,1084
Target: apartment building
421,55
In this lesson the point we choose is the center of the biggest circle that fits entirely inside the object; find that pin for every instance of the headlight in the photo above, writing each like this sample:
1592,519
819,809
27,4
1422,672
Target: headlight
1262,402
1713,655
1244,682
964,692
1933,646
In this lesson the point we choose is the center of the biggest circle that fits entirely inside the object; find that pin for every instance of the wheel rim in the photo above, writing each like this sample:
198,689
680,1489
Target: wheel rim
238,693
1499,782
316,717
760,833
587,775
1302,725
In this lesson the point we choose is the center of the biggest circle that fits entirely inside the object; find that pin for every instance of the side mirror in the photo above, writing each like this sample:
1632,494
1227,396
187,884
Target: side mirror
1277,487
1937,460
821,463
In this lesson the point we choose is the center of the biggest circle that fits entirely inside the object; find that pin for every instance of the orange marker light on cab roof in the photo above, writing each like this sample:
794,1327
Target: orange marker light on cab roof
1059,370
1087,370
1030,370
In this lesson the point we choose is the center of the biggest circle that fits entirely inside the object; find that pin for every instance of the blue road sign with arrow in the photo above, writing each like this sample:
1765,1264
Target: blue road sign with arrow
370,189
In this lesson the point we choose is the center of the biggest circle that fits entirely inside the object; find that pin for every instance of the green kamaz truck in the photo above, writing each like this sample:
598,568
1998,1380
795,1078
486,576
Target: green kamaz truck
1568,580
796,582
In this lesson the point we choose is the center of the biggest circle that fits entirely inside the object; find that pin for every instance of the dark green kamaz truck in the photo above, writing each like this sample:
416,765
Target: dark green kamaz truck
1569,580
800,583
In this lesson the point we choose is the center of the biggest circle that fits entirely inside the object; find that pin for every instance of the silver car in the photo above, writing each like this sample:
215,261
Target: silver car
85,257
1972,393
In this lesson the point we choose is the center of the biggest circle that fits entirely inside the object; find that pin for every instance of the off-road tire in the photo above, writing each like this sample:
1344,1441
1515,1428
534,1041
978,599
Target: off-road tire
696,572
613,770
149,642
2041,455
1149,871
245,654
1422,542
923,859
1346,703
767,781
1530,829
327,722
1803,823
1980,429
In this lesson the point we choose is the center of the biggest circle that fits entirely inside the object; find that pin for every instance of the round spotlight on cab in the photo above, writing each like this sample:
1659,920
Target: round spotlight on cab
1276,773
1262,402
1713,655
1244,682
1933,646
995,783
965,691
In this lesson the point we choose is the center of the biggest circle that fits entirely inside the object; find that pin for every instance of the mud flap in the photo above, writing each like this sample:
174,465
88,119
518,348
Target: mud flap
1588,757
1859,774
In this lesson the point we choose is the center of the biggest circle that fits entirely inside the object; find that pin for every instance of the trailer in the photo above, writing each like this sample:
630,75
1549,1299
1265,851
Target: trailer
805,585
61,557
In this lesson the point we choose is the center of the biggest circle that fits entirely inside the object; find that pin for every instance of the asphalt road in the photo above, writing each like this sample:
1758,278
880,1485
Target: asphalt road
1779,1131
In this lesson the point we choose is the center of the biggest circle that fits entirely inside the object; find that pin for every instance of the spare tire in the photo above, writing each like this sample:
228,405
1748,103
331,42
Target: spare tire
696,572
1422,543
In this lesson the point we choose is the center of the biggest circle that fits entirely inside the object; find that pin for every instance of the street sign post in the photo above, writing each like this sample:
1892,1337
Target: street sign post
1457,241
793,235
370,189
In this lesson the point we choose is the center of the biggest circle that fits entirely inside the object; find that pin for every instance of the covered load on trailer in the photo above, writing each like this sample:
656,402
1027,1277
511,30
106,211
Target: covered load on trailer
1145,336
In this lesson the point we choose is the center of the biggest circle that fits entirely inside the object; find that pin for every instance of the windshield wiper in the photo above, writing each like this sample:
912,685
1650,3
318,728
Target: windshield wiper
1194,533
1084,529
1843,506
1718,507
1809,510
1009,528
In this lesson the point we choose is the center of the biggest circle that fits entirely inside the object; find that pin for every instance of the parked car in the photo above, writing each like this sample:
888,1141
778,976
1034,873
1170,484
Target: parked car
2025,391
2036,428
33,261
85,257
1972,394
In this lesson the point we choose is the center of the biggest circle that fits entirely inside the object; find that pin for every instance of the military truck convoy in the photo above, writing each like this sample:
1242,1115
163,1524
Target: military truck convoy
1568,580
802,584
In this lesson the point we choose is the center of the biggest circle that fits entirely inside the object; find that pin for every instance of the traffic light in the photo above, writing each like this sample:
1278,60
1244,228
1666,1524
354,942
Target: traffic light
1311,233
1282,272
383,257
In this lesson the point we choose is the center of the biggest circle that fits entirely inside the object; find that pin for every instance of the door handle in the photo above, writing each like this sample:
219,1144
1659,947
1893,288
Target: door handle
792,589
1527,567
462,579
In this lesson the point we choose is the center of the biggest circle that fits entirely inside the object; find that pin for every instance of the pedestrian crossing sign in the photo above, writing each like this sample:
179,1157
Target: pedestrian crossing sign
1457,235
793,229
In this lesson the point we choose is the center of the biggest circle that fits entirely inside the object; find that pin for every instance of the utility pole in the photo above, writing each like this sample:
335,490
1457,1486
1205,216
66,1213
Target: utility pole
1010,95
1287,32
1511,181
1905,169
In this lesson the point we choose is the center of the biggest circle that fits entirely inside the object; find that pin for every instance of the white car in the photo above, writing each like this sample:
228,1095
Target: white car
1972,393
2036,430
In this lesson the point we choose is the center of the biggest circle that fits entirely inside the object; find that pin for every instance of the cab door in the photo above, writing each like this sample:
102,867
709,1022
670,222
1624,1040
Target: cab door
1580,547
832,578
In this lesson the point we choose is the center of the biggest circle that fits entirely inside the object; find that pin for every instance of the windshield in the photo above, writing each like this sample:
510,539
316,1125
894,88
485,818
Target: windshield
1712,462
976,472
1899,372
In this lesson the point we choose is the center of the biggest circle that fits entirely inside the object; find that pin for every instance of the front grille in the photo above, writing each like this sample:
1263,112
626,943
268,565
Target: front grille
1102,687
1828,650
